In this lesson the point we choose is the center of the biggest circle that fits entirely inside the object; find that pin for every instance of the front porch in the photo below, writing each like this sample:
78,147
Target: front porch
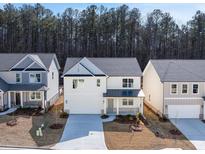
121,102
123,105
24,99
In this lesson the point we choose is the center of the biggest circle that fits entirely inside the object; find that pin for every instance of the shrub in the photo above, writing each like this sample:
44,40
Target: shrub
104,116
64,115
56,126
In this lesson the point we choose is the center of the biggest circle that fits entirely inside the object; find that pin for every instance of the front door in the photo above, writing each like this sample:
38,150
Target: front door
18,98
110,106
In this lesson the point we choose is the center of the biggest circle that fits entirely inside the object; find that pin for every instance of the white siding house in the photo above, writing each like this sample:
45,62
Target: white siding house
95,86
175,88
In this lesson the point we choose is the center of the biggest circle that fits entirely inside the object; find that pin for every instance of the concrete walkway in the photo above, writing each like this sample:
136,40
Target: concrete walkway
83,132
193,129
8,111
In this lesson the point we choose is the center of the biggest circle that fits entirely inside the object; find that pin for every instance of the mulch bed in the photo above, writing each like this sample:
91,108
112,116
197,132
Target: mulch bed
175,132
12,123
64,115
56,126
27,112
104,116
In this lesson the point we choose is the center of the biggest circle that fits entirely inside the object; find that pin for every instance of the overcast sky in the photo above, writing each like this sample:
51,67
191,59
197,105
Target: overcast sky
181,12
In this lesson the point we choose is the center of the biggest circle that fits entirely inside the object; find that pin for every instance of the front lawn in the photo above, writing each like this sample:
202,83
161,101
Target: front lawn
155,135
24,133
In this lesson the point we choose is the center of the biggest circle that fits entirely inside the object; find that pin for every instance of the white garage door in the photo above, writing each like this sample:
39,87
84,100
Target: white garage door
85,104
183,111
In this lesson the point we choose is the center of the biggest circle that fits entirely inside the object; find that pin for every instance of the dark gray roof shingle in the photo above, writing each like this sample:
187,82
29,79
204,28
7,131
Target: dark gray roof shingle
7,60
110,66
180,70
121,93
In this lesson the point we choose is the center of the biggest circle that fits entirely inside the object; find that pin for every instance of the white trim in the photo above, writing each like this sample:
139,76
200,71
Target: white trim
42,65
169,98
35,74
29,65
193,88
18,62
171,89
187,88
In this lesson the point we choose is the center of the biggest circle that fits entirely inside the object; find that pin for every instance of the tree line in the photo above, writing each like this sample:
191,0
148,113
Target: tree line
100,32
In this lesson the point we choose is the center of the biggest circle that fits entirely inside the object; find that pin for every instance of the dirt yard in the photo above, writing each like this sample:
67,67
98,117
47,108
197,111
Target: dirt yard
24,133
118,136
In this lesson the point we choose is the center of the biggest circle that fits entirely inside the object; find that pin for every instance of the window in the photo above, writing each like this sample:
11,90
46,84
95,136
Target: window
130,102
35,77
98,82
127,102
75,83
184,88
18,78
127,83
35,96
52,75
124,102
173,88
195,88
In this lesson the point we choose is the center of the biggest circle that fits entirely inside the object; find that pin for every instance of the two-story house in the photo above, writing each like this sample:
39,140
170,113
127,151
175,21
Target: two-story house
175,88
102,86
28,80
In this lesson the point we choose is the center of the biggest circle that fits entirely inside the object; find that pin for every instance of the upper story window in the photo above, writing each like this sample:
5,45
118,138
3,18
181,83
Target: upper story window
195,89
18,78
34,77
127,83
98,82
52,75
173,88
184,88
77,82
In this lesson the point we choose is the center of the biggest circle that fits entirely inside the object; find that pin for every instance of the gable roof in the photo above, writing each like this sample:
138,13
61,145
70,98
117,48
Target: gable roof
110,66
8,60
180,70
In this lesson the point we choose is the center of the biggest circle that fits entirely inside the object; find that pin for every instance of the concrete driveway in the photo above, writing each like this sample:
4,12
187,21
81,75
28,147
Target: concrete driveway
82,132
193,129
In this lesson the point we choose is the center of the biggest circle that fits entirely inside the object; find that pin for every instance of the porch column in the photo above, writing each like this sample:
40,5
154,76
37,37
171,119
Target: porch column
21,95
43,101
117,105
9,99
141,105
105,106
203,109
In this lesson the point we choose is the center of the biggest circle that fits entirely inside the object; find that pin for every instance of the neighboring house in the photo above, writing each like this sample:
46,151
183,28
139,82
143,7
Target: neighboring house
102,86
175,88
28,80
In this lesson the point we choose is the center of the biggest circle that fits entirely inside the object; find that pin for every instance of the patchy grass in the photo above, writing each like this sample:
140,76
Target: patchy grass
24,133
118,136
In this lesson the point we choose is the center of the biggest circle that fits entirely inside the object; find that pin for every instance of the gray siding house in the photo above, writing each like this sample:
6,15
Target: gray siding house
175,88
28,80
